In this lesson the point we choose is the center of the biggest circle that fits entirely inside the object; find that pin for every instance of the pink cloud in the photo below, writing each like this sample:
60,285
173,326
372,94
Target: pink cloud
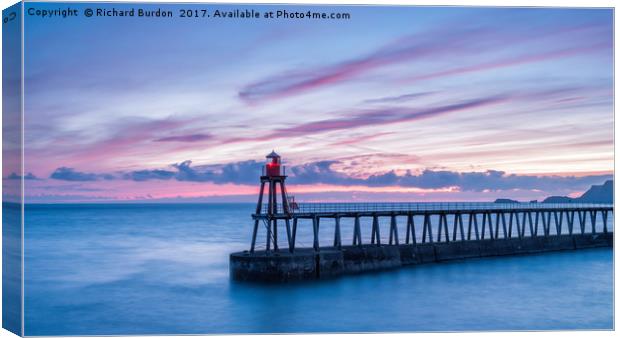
372,118
532,58
359,139
122,140
407,48
452,41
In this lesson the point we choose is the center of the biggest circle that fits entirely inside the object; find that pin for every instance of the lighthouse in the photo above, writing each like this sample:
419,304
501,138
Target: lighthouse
274,177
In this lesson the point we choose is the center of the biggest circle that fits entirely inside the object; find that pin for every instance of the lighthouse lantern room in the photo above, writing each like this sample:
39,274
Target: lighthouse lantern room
272,168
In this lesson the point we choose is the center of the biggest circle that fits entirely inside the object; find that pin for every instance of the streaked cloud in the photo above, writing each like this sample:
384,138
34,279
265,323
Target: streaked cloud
405,48
372,117
398,98
185,138
459,42
511,61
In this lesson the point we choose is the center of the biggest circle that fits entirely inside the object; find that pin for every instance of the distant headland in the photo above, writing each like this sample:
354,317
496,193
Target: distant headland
603,193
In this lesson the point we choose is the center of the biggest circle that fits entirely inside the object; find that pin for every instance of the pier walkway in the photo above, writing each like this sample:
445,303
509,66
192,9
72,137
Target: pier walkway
439,221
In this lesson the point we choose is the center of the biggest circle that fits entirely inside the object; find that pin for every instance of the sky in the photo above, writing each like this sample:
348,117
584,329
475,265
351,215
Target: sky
394,104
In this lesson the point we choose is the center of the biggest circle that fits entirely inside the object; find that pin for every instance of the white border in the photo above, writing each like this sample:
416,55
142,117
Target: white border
489,3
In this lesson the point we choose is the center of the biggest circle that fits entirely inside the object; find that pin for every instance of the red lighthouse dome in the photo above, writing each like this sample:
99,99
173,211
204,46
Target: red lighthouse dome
272,168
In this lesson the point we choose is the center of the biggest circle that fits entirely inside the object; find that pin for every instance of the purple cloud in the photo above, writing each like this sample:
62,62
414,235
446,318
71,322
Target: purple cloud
147,175
69,174
492,180
322,172
380,117
244,172
15,176
185,138
399,98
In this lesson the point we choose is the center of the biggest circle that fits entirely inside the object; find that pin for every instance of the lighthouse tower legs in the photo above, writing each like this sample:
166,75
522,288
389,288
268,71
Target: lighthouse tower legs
273,178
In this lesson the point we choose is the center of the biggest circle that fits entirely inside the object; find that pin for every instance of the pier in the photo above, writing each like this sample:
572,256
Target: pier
449,231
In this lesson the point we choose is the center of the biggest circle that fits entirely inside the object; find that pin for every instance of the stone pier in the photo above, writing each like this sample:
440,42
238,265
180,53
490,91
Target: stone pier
329,262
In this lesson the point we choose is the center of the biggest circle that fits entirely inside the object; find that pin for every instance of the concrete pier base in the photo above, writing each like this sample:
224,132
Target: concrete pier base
307,264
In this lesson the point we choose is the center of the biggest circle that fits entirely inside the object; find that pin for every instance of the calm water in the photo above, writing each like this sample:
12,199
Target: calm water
130,269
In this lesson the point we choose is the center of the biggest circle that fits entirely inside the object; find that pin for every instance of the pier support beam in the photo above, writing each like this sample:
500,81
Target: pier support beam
458,219
357,233
427,229
500,216
593,220
536,219
523,224
294,235
582,220
529,219
410,230
443,226
288,235
337,239
376,234
519,232
558,222
485,216
315,231
570,218
472,220
393,231
546,218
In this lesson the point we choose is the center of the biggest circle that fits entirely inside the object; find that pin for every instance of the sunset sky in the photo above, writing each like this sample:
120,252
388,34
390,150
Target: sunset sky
395,104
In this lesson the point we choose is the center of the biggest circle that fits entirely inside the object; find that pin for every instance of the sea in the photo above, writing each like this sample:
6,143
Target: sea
122,269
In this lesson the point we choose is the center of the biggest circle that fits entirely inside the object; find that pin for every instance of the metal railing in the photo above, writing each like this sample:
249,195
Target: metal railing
429,206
